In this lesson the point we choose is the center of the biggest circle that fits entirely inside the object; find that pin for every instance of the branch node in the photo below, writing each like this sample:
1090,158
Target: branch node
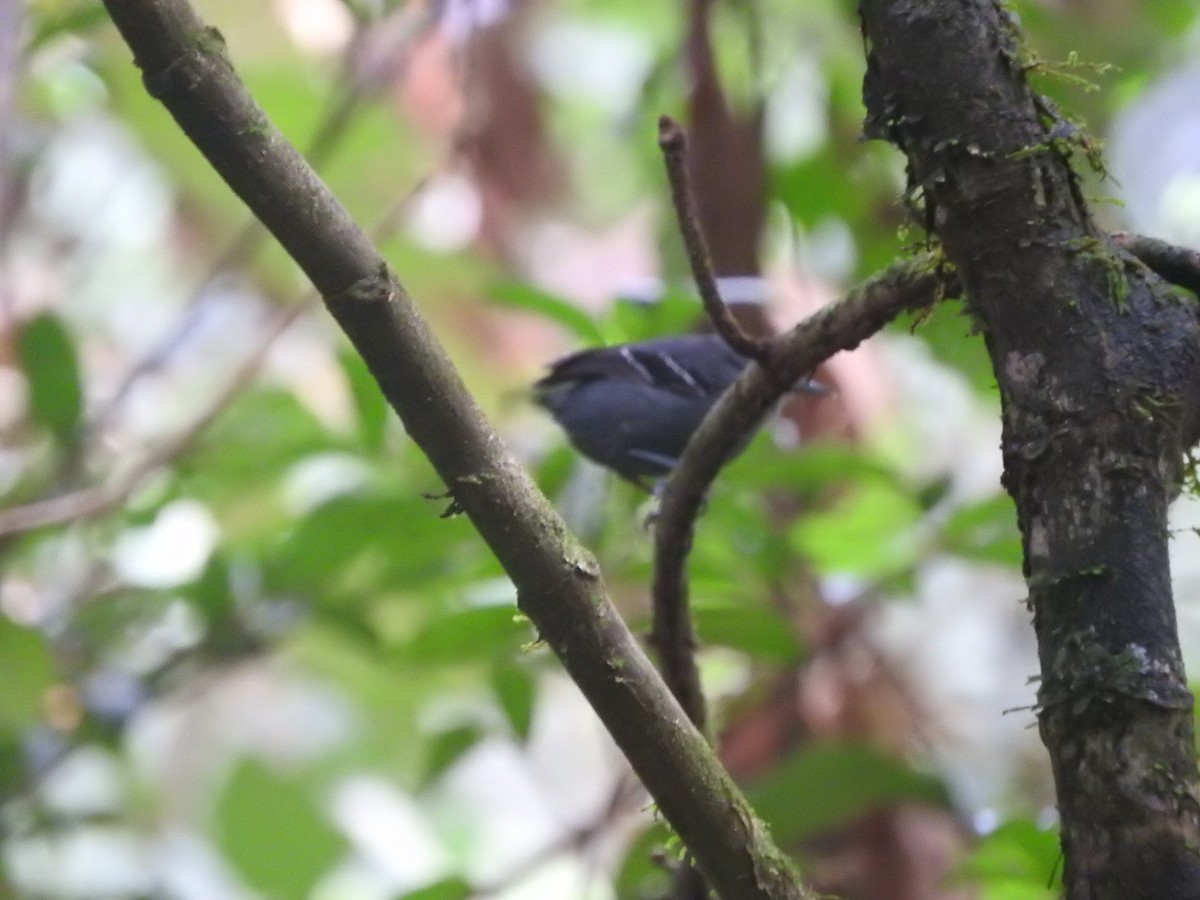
379,285
788,357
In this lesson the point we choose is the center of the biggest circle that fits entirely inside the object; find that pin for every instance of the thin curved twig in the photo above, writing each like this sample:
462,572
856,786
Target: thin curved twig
345,101
96,500
789,357
673,143
87,503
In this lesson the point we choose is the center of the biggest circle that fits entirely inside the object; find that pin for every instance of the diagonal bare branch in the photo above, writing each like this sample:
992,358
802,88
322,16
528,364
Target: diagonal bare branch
558,583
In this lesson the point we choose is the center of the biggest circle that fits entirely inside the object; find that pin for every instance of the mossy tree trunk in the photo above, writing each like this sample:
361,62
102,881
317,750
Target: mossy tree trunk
1098,365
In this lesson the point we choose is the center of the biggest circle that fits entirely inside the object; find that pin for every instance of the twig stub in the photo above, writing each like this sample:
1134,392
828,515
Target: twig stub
673,142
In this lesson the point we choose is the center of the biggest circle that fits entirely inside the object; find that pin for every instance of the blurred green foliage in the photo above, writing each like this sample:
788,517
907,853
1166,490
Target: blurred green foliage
1017,860
47,355
819,788
363,586
275,835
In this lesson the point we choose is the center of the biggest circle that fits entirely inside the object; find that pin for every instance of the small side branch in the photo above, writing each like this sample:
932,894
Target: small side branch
673,143
99,500
91,502
788,357
1177,265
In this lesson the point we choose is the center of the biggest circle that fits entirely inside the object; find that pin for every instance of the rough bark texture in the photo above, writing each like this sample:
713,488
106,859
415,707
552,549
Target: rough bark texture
1098,369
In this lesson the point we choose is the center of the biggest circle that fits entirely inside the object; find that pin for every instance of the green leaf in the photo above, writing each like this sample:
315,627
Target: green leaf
814,188
951,335
26,670
675,312
869,532
372,540
556,468
1017,860
1010,889
47,355
811,468
736,42
516,690
470,635
448,747
762,633
517,295
986,531
373,410
446,889
264,430
1171,15
642,873
353,623
14,776
211,592
332,537
271,830
824,786
393,699
238,463
70,18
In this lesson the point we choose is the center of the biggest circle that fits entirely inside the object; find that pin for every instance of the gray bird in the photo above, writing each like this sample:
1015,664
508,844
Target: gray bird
633,407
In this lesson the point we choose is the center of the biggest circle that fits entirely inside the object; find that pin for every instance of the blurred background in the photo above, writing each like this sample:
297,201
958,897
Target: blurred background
241,654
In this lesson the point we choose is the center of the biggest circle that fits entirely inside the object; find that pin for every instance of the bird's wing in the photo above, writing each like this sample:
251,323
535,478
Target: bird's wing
659,365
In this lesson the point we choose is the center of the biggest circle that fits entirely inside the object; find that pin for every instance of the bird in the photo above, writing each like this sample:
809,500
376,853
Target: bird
633,407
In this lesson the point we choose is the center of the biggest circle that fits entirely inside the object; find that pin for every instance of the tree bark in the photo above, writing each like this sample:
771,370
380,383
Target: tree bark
1099,373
